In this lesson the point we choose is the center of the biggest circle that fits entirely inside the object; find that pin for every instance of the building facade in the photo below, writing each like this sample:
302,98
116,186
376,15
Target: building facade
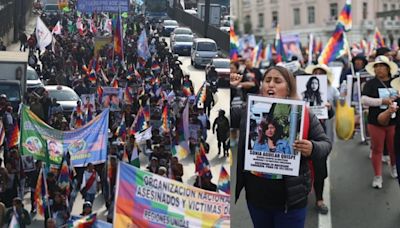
319,17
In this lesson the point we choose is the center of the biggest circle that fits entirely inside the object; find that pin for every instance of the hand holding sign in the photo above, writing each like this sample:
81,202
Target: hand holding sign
304,146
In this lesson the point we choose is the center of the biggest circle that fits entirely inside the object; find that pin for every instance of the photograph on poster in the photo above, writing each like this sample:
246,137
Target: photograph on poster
272,127
111,98
28,163
88,102
312,89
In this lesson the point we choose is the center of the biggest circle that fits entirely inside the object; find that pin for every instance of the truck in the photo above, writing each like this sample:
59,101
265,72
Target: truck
156,10
215,13
13,67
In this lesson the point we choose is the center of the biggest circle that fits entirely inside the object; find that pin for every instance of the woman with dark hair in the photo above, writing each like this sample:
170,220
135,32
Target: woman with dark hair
312,94
276,200
270,138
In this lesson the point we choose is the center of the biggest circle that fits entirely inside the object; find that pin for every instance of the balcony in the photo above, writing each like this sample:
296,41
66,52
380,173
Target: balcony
391,25
368,24
330,21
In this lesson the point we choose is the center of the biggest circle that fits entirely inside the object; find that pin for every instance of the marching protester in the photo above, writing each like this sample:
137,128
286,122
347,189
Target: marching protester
283,206
320,166
146,95
383,69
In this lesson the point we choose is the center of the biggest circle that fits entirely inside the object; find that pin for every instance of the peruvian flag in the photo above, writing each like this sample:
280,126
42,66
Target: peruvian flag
79,25
57,28
92,28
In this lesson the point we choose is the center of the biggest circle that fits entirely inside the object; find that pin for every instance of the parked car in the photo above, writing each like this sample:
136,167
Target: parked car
182,44
180,30
65,96
222,66
169,26
203,51
225,29
32,79
191,12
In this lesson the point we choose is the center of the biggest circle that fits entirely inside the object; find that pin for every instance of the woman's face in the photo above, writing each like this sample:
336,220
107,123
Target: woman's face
381,70
270,131
274,85
233,68
314,85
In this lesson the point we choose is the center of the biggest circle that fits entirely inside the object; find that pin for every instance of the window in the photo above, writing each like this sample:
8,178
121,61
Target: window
296,16
260,20
311,14
333,11
274,19
385,7
364,10
393,8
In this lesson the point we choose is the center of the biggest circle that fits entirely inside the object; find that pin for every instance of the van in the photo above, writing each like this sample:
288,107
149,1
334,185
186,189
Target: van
203,50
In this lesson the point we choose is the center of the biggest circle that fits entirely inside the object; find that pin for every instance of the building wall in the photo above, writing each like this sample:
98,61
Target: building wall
324,24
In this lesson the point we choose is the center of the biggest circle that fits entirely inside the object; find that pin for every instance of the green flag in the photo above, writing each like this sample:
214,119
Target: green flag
135,157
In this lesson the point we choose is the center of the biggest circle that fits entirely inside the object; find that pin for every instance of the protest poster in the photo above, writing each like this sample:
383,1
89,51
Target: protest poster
272,127
144,199
111,98
48,144
88,102
100,42
291,45
28,164
313,90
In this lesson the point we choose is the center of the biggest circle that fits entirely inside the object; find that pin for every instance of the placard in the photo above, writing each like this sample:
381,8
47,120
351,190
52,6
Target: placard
313,89
272,127
28,163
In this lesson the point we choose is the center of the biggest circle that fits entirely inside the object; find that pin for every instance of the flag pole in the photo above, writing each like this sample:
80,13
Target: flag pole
310,49
357,76
47,193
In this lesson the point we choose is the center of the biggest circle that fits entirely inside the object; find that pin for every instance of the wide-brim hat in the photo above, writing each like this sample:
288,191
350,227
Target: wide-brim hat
360,57
382,59
395,83
310,69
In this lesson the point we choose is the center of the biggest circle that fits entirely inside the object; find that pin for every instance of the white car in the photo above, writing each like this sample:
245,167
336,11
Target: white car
169,26
32,79
191,12
180,30
182,44
65,96
225,29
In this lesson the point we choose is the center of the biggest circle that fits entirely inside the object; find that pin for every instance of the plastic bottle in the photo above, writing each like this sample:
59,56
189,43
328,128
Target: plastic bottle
343,89
394,114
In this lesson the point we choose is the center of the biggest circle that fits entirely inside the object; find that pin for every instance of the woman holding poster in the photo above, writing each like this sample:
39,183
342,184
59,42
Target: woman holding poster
275,201
378,95
270,138
320,166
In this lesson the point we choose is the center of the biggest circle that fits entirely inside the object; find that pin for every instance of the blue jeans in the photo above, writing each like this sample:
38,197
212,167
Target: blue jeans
263,218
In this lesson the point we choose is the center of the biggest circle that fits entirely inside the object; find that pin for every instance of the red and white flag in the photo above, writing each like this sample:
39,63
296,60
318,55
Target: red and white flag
92,28
57,28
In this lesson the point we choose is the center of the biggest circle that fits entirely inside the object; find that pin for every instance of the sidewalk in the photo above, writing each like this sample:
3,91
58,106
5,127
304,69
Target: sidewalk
29,28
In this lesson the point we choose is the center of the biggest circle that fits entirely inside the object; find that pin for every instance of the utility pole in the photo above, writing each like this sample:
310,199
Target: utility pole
206,16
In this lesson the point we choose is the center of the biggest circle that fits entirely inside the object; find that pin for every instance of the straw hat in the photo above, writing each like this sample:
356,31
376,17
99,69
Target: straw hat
310,69
382,59
395,83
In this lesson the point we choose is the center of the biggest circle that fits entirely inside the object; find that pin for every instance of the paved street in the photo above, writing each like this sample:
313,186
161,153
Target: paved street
354,203
198,77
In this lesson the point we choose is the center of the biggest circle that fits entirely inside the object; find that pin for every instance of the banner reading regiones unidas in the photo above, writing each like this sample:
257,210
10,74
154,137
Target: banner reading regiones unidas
145,199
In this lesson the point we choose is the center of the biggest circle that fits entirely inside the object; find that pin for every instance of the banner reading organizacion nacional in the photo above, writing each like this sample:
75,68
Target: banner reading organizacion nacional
85,145
144,199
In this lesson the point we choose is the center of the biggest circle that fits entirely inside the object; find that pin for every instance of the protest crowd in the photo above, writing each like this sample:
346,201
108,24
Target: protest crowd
151,103
263,68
